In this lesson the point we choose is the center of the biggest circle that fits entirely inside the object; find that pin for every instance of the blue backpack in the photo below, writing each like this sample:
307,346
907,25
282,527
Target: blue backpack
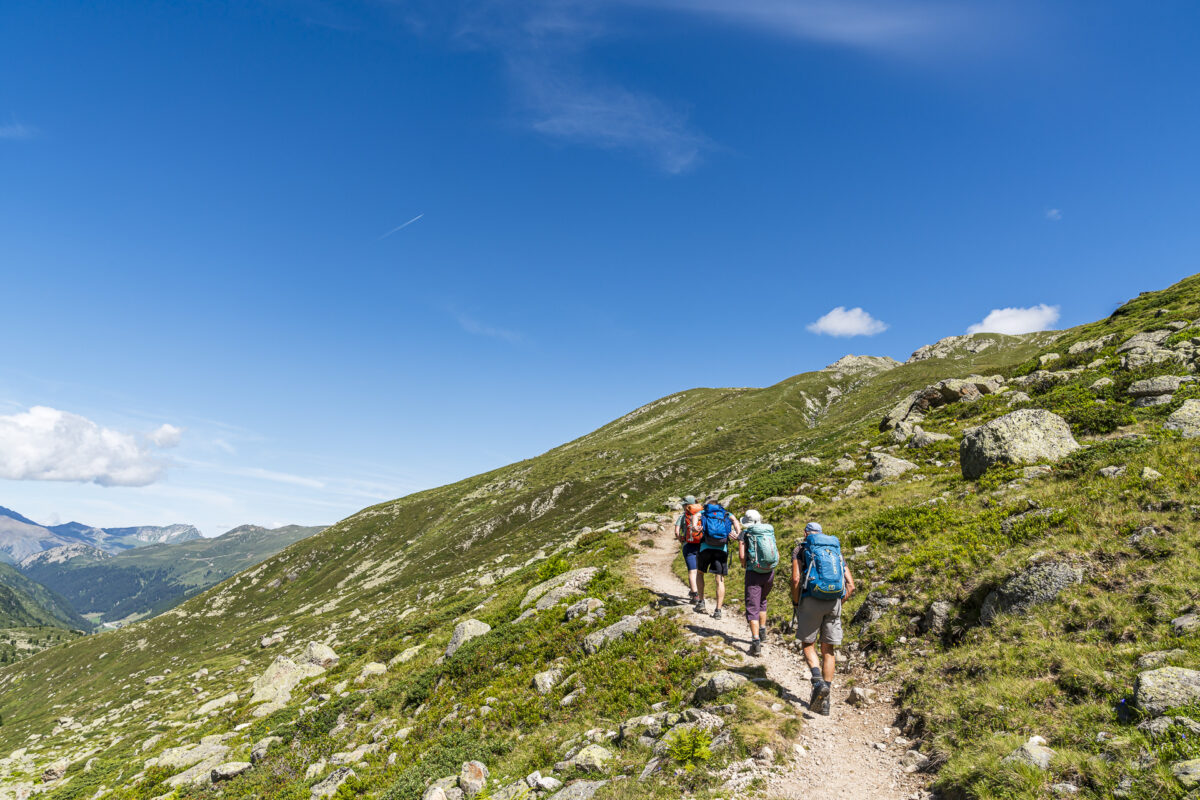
824,568
718,524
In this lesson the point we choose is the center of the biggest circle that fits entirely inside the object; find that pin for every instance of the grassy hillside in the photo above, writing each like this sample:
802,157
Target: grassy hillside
153,578
403,573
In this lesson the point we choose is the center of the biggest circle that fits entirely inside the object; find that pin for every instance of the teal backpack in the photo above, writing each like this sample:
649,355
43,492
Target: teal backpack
762,554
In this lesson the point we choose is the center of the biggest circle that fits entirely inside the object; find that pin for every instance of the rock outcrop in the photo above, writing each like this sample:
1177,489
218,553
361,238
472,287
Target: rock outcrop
1041,583
1025,436
1159,690
464,632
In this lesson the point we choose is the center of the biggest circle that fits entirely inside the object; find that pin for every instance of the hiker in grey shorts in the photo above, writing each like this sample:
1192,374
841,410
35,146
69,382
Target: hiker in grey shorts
820,582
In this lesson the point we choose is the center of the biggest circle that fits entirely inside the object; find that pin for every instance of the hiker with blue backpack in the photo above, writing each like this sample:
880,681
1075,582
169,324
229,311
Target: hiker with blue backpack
759,556
820,582
713,558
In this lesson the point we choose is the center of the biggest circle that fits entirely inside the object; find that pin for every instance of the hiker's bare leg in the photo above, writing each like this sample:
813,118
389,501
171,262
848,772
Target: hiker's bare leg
720,591
699,585
810,655
754,628
829,661
692,573
761,624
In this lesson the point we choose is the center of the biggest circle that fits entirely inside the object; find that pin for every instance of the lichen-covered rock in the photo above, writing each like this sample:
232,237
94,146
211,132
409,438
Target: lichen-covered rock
923,438
579,790
716,684
545,682
557,595
1160,385
1187,773
229,770
329,786
405,656
1035,585
937,617
1185,419
874,606
259,751
592,758
1158,690
597,639
886,467
464,632
1034,752
321,655
576,578
586,606
1025,436
219,702
472,778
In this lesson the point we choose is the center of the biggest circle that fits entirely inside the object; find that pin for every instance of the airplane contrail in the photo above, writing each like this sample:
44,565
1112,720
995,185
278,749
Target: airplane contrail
399,227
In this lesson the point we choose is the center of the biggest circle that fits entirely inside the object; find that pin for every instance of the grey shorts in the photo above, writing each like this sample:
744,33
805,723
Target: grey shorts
823,618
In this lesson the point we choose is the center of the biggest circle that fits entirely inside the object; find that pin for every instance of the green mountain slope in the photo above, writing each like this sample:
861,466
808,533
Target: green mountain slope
387,586
25,603
150,579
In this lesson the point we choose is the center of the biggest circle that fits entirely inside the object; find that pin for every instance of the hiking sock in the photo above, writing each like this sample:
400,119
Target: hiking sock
816,674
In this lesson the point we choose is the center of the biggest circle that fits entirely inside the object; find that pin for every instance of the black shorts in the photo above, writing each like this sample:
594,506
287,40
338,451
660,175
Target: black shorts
712,561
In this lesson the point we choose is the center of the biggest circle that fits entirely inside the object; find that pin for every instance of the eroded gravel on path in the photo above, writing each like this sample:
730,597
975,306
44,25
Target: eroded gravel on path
842,759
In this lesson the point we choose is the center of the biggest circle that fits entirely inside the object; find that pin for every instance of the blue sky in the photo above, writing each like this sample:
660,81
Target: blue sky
197,199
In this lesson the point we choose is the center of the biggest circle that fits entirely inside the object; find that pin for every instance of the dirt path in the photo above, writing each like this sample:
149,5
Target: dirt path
841,749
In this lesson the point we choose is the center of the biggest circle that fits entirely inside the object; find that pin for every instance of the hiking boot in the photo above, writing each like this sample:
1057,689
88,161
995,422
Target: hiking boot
819,704
693,597
717,614
756,647
699,606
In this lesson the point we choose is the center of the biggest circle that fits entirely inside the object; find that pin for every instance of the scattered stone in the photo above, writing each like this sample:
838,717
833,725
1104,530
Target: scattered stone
844,465
1035,585
1159,726
853,489
874,606
579,790
649,770
922,438
576,579
597,639
270,641
229,770
1112,471
1188,623
1016,398
212,705
472,778
465,632
1101,383
1020,437
937,617
1159,657
592,758
1149,474
861,697
259,751
545,783
545,682
587,605
370,670
716,684
1090,345
555,596
56,770
1185,419
1187,773
406,656
330,785
1048,358
913,761
1161,385
1164,688
320,655
1034,752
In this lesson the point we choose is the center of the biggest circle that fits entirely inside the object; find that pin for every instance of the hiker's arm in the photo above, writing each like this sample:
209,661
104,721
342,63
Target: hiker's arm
849,584
795,581
742,551
737,529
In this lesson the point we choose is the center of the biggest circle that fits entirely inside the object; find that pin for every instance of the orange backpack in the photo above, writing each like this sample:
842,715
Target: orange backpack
693,523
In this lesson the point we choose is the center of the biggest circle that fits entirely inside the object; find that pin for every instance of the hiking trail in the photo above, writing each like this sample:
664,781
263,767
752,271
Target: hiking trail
842,761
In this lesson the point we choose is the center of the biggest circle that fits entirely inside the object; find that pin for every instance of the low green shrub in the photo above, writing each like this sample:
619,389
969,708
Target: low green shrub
690,747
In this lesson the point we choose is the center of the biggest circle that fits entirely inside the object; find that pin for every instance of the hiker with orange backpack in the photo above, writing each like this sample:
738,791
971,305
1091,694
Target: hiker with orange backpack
689,530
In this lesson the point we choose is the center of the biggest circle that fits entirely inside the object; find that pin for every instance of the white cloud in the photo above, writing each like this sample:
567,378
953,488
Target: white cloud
166,436
1017,320
477,328
1054,214
842,322
45,444
16,130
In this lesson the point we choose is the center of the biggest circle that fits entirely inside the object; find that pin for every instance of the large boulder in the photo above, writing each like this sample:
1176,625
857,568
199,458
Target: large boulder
579,790
330,786
229,770
1025,436
1162,384
464,632
885,467
592,758
472,778
320,655
1186,419
1158,690
597,639
274,687
1030,587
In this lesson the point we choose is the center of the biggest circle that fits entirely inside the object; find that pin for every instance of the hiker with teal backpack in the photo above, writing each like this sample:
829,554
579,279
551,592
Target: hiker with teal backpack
759,556
719,527
820,582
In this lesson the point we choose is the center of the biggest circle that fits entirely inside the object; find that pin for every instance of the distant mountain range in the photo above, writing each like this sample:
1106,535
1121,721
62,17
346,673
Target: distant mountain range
21,537
152,578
